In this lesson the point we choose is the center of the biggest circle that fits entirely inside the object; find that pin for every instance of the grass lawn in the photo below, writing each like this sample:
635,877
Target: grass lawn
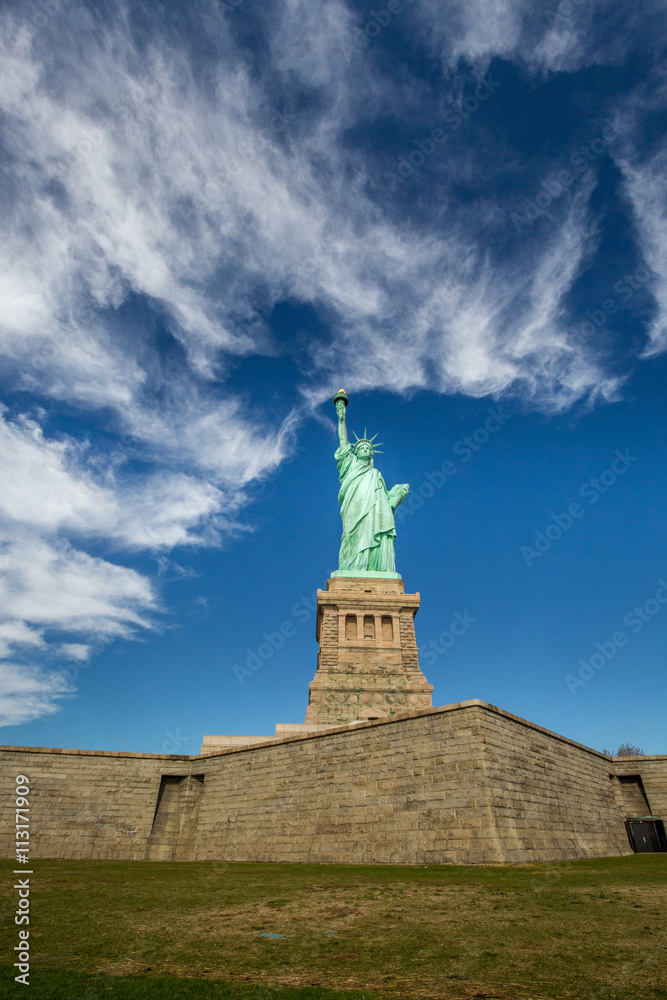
586,930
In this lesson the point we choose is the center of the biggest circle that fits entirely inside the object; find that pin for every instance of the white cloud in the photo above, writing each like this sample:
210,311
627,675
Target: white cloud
28,692
645,186
17,633
561,36
52,584
59,591
78,651
58,486
640,152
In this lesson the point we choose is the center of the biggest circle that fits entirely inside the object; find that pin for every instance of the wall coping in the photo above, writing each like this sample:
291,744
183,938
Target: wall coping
355,727
629,760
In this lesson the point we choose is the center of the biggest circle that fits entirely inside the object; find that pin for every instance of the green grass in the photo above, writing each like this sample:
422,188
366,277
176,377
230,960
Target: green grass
585,930
60,984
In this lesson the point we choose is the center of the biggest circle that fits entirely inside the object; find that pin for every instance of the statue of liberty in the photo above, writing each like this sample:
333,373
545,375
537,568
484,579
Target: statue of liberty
366,505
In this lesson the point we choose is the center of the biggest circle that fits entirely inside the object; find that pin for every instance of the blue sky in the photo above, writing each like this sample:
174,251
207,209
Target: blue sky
217,214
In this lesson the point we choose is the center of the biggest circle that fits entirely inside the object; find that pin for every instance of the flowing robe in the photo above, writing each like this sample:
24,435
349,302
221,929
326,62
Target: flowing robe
367,510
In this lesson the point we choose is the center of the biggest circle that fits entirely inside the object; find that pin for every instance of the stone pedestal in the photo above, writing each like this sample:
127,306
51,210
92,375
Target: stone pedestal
368,665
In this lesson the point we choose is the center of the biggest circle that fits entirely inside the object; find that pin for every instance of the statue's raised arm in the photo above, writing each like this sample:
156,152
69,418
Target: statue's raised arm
366,506
340,401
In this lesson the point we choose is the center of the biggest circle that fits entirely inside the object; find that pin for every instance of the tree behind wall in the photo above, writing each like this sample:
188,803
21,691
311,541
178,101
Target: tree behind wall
625,750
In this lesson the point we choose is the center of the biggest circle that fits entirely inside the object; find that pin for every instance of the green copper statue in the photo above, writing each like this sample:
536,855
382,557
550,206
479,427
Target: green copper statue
366,505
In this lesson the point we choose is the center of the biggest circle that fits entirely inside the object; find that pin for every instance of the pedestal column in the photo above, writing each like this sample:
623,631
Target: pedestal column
368,662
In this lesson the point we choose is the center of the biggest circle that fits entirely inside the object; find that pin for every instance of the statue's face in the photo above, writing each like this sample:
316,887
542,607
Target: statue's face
364,450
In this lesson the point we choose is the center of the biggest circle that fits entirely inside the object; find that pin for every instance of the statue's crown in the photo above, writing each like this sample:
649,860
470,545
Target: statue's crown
366,440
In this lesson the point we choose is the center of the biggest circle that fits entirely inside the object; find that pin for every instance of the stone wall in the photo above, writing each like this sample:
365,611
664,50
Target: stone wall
376,793
550,798
86,804
466,783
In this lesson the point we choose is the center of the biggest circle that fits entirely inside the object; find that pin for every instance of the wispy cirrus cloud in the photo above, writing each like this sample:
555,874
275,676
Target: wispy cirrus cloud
554,37
146,207
641,154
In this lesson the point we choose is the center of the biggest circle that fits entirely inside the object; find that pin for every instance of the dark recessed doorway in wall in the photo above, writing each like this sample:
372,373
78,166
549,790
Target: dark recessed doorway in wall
646,835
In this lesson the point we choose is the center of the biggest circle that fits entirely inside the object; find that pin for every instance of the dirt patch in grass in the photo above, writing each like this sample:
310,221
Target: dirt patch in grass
586,930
